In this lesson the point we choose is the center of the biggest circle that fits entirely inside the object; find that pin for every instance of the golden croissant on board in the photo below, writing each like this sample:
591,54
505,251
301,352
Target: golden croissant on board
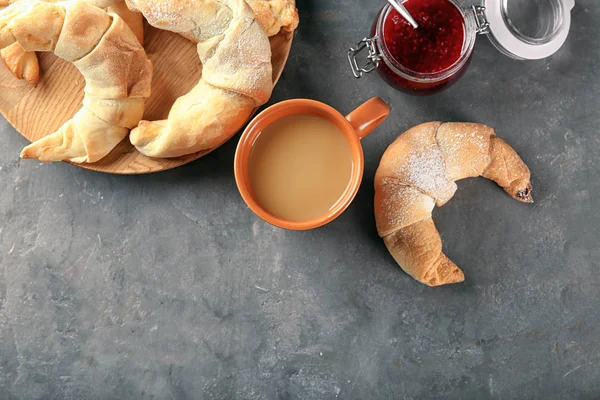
272,15
418,171
24,64
117,73
236,75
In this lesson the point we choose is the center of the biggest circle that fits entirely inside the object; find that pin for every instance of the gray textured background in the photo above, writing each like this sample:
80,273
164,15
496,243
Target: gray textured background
167,286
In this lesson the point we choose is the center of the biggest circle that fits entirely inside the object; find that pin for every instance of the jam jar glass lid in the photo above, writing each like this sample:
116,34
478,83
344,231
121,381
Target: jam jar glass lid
525,29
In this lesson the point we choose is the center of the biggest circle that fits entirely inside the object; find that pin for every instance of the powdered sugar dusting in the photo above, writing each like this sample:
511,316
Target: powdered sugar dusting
165,15
460,150
236,57
234,49
242,61
425,169
465,148
400,206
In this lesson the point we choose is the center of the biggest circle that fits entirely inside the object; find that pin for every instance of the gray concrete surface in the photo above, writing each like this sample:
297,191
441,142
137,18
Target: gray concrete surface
168,287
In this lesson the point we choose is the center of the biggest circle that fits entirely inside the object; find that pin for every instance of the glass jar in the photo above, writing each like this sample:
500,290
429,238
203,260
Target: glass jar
521,29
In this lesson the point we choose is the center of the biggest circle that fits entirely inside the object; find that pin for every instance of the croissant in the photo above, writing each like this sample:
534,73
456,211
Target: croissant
24,64
236,75
116,69
418,171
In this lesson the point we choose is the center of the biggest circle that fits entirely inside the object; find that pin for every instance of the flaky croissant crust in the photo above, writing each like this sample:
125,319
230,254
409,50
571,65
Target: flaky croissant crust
25,65
236,75
418,171
115,67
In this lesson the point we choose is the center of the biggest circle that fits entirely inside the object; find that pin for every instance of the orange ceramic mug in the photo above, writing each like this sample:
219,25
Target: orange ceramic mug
355,126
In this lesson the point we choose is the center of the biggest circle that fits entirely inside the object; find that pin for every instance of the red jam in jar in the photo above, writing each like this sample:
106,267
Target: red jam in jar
418,60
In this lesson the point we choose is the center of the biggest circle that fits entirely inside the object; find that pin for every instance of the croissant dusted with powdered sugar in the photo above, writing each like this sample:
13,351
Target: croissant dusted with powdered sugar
117,73
236,75
418,171
24,64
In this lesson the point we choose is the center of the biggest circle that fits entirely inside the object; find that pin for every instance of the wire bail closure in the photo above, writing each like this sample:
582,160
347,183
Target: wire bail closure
373,57
483,25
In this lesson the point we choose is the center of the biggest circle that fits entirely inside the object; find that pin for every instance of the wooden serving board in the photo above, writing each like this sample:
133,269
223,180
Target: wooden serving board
37,112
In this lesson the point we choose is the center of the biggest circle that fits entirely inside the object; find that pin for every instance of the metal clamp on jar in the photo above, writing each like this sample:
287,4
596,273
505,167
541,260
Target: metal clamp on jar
432,57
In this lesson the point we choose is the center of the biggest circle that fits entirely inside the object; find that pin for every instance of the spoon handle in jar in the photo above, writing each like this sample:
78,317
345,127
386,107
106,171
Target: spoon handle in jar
404,12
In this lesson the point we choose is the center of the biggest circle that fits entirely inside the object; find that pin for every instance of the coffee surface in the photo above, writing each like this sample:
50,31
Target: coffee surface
300,166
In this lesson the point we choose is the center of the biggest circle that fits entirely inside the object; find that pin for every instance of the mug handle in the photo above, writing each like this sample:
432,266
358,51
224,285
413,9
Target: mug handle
368,116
